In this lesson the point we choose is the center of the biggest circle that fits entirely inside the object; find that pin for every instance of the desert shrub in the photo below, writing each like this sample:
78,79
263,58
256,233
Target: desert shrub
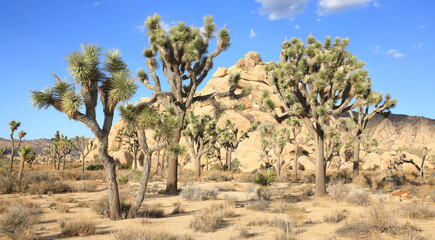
85,187
335,217
338,191
257,205
8,184
73,165
126,166
357,196
83,204
432,195
279,206
355,230
245,177
45,187
95,167
298,215
211,218
122,178
418,210
213,176
78,226
19,220
102,206
197,194
341,176
135,234
306,192
309,178
151,211
227,176
178,208
285,226
266,178
244,233
62,207
254,192
226,187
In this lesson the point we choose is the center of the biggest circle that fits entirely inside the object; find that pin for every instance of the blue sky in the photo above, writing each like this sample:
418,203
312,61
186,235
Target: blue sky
394,37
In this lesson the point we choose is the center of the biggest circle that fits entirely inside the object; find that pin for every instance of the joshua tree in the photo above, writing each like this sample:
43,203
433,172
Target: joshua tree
201,135
185,62
85,146
61,147
142,118
3,151
229,138
13,126
111,83
317,82
26,153
266,139
373,103
127,136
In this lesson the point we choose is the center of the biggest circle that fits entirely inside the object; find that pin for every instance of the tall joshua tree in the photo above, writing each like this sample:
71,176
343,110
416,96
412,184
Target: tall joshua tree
85,146
128,138
185,61
13,126
373,103
111,83
317,82
200,134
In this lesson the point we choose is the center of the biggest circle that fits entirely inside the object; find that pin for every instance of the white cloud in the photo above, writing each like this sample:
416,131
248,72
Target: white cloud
96,4
376,3
378,49
141,28
418,45
395,53
278,9
297,26
422,27
252,34
332,6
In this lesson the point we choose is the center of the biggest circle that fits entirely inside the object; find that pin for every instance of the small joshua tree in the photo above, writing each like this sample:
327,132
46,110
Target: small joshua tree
85,146
373,103
14,126
128,138
61,147
317,82
3,151
230,138
201,135
26,153
109,82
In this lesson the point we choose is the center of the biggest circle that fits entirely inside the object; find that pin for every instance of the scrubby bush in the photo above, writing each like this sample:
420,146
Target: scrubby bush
266,178
418,210
95,167
8,184
122,179
151,211
357,196
19,220
335,217
102,207
78,226
178,208
338,191
45,187
197,194
211,218
85,187
135,234
257,205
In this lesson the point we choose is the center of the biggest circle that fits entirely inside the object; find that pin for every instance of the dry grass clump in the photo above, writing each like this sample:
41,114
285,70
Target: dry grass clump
48,187
376,219
19,220
178,208
279,206
102,206
335,217
78,226
245,177
85,187
62,207
219,176
418,210
257,205
197,194
135,234
338,191
342,192
211,218
287,228
8,184
151,211
255,192
226,187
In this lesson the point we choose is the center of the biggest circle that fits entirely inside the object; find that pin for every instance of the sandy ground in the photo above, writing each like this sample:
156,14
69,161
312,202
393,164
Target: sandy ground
311,224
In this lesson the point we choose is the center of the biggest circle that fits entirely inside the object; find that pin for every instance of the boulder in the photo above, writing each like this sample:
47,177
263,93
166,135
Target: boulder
122,156
220,72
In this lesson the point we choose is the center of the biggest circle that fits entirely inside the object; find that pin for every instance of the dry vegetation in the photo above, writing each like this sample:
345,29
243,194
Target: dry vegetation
224,206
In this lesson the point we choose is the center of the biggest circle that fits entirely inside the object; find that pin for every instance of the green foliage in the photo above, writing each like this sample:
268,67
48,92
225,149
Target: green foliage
122,179
95,167
266,178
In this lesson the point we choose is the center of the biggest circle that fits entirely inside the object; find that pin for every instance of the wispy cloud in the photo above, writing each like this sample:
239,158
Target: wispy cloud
297,26
332,6
422,27
391,52
418,45
395,53
96,4
376,4
279,9
252,34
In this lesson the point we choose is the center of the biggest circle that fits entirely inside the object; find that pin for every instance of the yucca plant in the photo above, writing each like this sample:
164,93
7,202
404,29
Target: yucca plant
108,81
13,126
25,153
85,146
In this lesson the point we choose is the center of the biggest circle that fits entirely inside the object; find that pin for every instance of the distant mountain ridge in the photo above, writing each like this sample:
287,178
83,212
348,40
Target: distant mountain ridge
37,144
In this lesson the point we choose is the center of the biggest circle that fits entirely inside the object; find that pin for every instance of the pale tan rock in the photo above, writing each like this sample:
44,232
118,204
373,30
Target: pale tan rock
220,72
122,156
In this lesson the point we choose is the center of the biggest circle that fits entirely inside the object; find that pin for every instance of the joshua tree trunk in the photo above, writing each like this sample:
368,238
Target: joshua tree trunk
295,164
320,164
228,159
135,161
54,162
198,168
422,166
171,187
143,186
278,165
83,162
157,163
63,166
20,173
12,154
356,157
